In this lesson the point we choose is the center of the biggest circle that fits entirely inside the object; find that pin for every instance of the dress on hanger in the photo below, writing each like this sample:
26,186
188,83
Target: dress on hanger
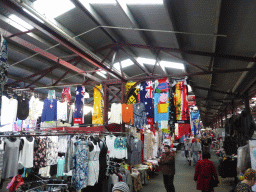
110,140
26,154
40,153
11,157
8,113
66,95
139,114
52,150
94,168
50,110
80,165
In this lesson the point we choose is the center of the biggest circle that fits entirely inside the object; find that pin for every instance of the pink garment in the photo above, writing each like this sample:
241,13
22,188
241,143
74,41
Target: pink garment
163,98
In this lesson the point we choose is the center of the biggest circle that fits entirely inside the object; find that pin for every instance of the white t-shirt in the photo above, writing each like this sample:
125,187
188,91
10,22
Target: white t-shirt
110,144
62,111
116,113
8,113
63,144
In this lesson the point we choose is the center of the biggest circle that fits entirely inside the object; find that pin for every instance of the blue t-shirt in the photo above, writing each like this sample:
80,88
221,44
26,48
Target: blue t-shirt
49,110
160,116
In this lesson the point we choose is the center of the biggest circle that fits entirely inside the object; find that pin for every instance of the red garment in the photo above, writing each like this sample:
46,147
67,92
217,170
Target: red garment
66,95
184,129
16,182
204,170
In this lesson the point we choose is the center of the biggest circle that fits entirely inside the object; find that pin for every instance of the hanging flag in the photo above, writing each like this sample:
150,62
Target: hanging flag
181,102
98,107
195,122
133,95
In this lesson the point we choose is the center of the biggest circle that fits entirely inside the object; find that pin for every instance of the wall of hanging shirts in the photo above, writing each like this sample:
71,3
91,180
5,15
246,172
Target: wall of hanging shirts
85,158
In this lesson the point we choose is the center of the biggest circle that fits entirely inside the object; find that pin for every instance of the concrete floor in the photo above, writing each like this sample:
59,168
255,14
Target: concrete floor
184,178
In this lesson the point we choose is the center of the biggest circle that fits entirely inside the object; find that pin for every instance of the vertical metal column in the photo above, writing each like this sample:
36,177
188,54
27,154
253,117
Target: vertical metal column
106,105
123,96
247,105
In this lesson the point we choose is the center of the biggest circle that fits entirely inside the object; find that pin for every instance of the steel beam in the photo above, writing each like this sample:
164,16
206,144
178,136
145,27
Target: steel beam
69,43
136,63
106,104
48,55
64,75
106,87
207,54
42,72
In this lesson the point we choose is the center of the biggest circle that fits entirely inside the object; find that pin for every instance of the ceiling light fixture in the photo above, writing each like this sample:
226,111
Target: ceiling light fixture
53,8
174,65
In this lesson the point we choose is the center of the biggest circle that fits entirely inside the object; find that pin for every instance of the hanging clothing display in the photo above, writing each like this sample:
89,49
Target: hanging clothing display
11,156
62,111
181,102
116,113
162,86
172,112
51,94
127,113
133,95
1,157
40,152
120,148
60,166
3,62
134,147
148,145
26,154
52,150
66,94
161,107
93,167
139,115
195,122
8,113
50,110
79,105
97,117
184,129
110,139
80,165
23,108
35,108
146,95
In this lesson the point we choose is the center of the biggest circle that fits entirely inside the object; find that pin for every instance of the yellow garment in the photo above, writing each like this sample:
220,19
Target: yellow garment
177,100
132,96
166,131
97,117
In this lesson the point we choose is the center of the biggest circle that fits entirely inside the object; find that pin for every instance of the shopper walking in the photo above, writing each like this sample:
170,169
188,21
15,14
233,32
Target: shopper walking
188,147
196,151
248,182
167,167
205,174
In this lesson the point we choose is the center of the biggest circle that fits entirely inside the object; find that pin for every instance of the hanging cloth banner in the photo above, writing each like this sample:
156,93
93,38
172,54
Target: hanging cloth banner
146,97
79,105
181,102
195,122
98,107
133,95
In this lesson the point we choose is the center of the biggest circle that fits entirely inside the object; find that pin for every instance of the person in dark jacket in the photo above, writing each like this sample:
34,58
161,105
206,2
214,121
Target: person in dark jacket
204,174
167,167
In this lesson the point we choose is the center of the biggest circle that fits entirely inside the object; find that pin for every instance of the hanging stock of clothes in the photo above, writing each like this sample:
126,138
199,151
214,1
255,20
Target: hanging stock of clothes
97,117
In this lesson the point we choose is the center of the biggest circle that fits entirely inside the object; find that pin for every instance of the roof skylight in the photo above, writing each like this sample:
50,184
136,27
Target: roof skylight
174,65
145,2
98,1
101,73
125,63
53,8
19,23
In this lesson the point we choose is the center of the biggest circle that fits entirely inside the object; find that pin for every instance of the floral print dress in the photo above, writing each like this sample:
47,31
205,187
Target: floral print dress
80,165
40,153
52,150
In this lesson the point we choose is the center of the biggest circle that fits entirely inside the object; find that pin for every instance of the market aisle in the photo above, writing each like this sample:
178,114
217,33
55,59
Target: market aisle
184,176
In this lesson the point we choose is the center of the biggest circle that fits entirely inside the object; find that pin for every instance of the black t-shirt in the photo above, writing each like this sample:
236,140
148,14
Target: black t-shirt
23,108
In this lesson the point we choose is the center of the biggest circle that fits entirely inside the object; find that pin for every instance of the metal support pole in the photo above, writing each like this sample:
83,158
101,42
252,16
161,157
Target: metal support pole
106,105
123,92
